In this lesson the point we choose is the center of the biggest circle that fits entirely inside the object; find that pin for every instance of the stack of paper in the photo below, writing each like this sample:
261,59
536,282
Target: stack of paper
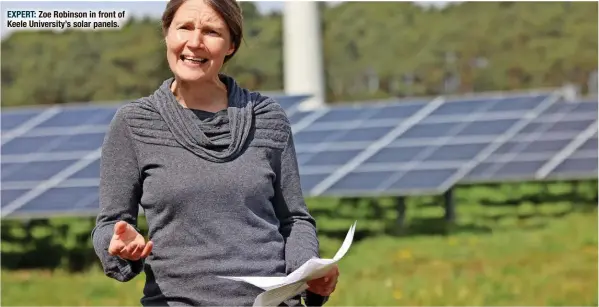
279,289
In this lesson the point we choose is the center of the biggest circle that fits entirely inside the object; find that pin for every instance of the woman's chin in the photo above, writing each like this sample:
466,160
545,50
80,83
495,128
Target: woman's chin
191,75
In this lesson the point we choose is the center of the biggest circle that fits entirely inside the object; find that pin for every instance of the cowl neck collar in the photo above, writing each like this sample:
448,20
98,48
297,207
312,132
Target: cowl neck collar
193,136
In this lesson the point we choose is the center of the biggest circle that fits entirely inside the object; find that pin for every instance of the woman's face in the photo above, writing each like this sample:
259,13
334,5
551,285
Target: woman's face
197,42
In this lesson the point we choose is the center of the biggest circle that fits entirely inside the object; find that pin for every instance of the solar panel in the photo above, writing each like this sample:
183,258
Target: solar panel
346,114
538,146
579,108
33,171
482,107
524,156
576,167
291,105
337,135
50,156
590,144
330,157
361,183
309,181
463,107
582,163
500,170
315,136
8,196
365,134
569,126
57,143
340,126
11,120
457,152
397,112
91,171
428,130
396,154
489,128
296,117
289,102
72,200
80,116
364,181
415,181
356,114
430,155
517,104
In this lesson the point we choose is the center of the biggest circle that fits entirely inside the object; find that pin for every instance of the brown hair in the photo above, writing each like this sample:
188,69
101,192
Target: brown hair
229,10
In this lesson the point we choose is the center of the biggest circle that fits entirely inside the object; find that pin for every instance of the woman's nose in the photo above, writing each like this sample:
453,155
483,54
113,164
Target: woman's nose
195,39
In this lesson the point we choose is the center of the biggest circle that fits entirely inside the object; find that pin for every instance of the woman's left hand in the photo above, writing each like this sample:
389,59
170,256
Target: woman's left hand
325,285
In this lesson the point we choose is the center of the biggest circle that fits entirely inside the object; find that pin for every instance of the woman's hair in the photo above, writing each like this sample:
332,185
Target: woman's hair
229,10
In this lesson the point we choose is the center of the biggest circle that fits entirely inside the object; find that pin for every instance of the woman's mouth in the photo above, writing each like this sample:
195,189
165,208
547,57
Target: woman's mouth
193,60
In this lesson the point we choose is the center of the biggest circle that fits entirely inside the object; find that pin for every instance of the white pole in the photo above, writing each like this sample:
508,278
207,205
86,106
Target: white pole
302,52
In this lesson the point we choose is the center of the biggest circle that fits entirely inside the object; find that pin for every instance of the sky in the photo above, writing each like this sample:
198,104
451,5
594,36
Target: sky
134,8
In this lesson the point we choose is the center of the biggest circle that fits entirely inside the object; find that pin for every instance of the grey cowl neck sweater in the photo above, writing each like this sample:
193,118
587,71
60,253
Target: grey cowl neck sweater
244,109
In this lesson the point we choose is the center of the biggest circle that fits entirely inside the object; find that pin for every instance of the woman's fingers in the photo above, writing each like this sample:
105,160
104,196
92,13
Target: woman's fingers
116,247
135,246
131,251
120,227
147,249
141,251
323,291
127,243
135,250
326,285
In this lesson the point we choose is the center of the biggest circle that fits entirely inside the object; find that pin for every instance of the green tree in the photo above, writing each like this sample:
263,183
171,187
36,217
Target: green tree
371,50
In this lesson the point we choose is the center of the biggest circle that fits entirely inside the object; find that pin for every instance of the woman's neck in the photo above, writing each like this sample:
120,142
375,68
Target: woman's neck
210,96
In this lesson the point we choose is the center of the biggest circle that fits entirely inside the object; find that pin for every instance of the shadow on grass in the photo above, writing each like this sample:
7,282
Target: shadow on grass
495,217
436,226
481,223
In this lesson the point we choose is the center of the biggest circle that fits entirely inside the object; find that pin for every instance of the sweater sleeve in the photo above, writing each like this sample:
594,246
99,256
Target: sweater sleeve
120,192
298,227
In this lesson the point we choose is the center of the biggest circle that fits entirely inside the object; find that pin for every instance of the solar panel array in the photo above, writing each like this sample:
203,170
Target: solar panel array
417,148
50,157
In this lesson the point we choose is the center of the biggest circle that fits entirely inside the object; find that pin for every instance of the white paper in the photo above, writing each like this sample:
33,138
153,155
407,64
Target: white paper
275,296
279,289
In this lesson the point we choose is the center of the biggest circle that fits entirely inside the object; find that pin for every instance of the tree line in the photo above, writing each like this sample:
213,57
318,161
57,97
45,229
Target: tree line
372,50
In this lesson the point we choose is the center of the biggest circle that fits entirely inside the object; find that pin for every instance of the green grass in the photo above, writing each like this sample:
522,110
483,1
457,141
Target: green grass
555,264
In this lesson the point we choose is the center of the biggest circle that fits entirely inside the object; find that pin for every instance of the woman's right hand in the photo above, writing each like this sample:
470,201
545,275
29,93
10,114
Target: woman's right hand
127,243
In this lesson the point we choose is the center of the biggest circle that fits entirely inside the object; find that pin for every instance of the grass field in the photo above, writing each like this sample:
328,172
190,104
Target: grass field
553,265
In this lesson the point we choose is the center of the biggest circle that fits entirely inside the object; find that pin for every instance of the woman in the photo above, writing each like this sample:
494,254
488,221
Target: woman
213,165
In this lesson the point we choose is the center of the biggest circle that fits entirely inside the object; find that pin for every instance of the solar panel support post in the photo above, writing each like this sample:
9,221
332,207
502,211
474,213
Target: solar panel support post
400,205
399,228
450,213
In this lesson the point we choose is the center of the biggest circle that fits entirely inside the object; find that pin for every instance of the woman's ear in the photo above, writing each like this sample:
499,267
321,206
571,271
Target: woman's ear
231,50
164,35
